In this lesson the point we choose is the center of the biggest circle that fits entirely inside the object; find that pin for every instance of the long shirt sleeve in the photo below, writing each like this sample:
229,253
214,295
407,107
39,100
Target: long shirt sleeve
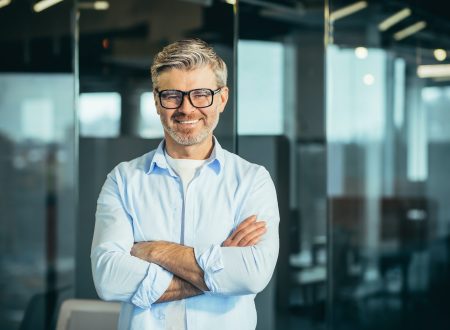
118,276
245,270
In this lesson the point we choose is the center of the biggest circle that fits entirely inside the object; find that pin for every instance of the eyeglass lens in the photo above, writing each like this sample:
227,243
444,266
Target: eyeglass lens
199,98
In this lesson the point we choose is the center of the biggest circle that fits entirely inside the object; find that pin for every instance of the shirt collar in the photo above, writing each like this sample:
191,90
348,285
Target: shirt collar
159,159
216,160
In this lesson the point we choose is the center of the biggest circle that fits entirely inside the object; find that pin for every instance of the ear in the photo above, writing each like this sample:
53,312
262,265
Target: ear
223,98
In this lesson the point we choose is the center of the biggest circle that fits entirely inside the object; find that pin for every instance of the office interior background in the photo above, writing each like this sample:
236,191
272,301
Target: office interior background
346,103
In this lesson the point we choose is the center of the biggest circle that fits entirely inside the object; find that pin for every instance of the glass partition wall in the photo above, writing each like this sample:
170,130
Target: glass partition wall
388,146
280,124
37,164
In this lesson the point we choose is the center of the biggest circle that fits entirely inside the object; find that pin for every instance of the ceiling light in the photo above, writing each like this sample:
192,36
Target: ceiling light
361,52
368,79
347,10
95,5
4,3
440,54
433,71
101,5
394,19
44,4
231,2
410,30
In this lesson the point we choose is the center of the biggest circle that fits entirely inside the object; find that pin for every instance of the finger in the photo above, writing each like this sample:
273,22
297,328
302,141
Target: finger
254,241
253,235
247,234
248,230
247,222
227,242
244,224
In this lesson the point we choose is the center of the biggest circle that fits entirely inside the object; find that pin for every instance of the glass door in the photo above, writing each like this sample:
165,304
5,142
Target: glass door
387,119
38,163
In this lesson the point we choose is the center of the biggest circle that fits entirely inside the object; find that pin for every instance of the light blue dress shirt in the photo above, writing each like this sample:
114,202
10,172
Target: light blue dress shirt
143,200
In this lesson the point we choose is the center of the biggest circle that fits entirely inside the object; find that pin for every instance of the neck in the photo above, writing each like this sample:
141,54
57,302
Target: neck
197,151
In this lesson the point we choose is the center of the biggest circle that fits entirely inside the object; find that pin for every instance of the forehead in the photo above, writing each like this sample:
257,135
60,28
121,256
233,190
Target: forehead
202,77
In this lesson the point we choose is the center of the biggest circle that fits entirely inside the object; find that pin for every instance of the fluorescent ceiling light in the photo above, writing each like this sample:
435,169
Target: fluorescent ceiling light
394,19
44,4
410,30
433,71
96,5
4,3
348,10
440,54
101,5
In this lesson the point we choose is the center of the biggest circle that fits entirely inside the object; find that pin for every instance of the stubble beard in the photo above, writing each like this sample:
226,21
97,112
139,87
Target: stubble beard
186,139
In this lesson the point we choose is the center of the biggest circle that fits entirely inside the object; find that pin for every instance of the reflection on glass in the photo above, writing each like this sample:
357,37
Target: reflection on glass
36,197
99,114
260,99
357,103
435,100
150,125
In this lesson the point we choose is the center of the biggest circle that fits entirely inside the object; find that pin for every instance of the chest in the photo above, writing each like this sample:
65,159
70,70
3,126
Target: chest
204,213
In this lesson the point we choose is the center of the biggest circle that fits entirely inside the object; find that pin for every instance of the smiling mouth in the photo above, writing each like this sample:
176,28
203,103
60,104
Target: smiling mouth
187,122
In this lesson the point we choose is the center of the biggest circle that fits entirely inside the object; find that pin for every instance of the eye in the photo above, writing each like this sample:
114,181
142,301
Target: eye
170,95
199,93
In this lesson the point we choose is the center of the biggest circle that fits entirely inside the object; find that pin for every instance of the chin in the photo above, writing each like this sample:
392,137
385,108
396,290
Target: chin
188,140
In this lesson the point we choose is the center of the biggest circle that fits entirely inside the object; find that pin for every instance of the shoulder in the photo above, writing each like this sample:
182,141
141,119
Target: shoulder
235,164
250,180
136,166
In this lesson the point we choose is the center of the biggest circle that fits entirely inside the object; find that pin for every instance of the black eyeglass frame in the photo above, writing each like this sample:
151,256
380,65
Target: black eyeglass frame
188,93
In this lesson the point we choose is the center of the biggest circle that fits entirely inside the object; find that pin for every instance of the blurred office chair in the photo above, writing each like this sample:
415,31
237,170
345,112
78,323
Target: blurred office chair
86,314
41,310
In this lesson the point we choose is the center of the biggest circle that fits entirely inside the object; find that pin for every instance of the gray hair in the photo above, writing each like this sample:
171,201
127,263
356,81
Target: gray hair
189,54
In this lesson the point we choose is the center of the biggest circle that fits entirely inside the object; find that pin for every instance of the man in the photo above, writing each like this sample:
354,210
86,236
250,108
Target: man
187,234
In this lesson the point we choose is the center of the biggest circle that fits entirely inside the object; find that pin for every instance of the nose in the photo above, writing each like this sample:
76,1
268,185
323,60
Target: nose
186,107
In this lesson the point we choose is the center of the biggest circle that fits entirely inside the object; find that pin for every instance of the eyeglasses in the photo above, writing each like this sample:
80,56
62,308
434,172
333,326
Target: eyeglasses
199,98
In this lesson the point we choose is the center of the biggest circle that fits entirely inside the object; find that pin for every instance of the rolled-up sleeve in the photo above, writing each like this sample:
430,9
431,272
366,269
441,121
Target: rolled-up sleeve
118,276
245,270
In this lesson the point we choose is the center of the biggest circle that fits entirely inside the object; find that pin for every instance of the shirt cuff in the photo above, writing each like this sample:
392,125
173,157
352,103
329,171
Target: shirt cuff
209,258
152,286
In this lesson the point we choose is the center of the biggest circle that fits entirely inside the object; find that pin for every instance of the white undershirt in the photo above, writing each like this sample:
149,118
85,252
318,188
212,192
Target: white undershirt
186,170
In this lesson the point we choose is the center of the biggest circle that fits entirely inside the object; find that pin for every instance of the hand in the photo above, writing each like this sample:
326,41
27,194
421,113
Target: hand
143,250
175,258
248,233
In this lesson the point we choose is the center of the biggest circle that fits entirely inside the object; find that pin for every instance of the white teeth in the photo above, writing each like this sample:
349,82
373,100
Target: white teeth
188,121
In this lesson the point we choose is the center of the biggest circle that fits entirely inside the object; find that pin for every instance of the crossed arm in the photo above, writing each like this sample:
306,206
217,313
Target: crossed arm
159,271
188,280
